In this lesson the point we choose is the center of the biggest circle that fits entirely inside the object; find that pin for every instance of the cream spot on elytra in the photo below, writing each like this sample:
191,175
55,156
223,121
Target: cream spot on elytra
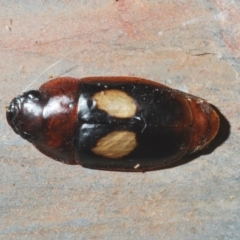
116,144
116,103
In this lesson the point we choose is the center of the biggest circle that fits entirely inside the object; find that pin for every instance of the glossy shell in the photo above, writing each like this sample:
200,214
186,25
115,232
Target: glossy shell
113,123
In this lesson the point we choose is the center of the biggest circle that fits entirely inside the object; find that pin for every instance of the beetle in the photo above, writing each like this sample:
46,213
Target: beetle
113,123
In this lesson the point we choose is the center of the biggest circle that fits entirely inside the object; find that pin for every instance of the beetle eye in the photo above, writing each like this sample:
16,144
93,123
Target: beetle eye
28,136
33,95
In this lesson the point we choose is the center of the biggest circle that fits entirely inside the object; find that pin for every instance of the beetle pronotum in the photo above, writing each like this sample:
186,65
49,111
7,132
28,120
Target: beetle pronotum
113,123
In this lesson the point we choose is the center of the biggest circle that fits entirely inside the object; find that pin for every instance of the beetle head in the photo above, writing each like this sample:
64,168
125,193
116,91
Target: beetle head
24,115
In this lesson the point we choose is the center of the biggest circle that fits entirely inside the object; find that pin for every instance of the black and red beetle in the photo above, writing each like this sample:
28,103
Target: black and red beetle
113,123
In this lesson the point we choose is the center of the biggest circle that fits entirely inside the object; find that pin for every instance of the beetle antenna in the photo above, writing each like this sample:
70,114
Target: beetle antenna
54,64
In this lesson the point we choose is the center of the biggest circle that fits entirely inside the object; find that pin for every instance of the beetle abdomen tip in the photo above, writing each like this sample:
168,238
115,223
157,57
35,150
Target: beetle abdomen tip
205,124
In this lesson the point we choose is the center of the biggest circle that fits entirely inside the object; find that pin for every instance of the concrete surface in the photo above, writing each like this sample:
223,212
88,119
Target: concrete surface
190,45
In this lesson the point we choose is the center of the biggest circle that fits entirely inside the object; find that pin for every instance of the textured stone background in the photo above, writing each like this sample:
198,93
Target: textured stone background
190,45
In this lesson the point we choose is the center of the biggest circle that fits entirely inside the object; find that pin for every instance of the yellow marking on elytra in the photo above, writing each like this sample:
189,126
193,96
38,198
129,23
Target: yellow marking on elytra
116,144
116,103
